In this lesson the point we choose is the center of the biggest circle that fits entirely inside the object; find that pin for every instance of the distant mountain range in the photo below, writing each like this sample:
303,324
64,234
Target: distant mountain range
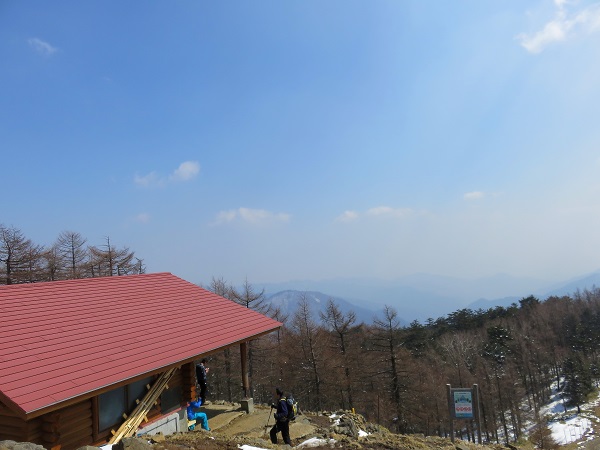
419,296
288,302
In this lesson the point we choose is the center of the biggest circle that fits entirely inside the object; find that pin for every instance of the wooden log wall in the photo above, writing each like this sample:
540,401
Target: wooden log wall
69,428
12,428
73,426
188,381
35,431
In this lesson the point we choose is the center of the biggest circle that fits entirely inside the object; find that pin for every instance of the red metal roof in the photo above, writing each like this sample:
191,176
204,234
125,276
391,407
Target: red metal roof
66,339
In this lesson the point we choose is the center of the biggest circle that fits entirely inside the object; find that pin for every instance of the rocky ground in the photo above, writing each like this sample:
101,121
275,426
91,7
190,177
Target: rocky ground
231,428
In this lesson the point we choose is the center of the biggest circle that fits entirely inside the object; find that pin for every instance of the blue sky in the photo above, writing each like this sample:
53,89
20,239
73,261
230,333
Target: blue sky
274,141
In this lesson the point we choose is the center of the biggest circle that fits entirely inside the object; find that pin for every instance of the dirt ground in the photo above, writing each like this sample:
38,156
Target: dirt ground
229,424
231,428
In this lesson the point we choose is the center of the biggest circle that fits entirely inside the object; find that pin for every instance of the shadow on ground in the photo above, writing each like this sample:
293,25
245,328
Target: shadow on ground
232,420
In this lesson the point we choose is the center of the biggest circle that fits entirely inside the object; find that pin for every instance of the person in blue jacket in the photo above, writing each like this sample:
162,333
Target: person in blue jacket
198,416
282,422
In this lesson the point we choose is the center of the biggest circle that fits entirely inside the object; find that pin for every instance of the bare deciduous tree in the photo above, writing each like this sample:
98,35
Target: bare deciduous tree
107,260
21,260
341,325
70,246
386,339
458,349
308,349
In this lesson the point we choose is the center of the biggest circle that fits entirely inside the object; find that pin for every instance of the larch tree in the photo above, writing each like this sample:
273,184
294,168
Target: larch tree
386,340
222,370
53,264
341,325
21,261
108,260
458,350
248,297
70,246
497,350
308,353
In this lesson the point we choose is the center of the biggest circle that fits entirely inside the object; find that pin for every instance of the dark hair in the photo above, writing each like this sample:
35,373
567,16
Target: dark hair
203,360
279,391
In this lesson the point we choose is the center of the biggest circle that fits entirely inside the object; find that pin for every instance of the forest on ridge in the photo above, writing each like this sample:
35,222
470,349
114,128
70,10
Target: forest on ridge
392,374
397,375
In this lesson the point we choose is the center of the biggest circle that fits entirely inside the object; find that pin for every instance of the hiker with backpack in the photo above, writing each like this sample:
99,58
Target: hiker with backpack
282,418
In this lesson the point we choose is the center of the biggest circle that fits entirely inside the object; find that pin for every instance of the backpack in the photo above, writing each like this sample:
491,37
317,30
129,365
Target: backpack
292,407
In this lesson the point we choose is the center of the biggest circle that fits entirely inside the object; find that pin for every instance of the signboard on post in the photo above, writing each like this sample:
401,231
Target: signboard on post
462,400
463,403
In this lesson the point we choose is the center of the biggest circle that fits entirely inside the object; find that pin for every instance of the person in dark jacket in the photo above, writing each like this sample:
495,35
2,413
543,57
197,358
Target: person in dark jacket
202,379
281,419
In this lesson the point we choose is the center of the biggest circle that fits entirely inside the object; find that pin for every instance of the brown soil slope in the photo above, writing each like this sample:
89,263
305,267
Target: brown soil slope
231,428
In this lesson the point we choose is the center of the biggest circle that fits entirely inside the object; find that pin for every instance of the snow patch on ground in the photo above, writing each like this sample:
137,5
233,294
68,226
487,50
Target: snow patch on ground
316,442
312,442
566,425
335,418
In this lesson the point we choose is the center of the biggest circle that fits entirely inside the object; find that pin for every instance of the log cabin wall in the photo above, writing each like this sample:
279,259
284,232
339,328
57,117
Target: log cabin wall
12,427
77,425
35,431
69,428
188,382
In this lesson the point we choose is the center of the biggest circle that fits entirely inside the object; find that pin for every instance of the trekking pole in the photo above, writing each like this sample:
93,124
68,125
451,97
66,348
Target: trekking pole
267,425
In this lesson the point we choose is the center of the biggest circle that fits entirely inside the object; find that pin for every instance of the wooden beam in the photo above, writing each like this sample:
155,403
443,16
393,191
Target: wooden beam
244,355
130,426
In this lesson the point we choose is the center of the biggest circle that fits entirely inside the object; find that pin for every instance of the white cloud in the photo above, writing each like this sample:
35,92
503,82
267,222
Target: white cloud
226,216
564,25
186,171
554,31
254,216
146,180
475,195
348,216
142,218
387,211
378,211
41,47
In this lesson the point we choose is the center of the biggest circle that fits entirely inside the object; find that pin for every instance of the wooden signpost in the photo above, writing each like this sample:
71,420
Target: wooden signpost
463,403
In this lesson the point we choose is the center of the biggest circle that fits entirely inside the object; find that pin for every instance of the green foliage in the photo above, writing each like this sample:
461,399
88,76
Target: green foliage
497,347
578,380
529,303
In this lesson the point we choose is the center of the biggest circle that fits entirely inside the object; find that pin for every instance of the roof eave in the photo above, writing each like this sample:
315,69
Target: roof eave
20,412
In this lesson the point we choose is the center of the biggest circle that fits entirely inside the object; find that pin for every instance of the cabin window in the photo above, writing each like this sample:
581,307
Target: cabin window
136,391
111,407
171,399
113,404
